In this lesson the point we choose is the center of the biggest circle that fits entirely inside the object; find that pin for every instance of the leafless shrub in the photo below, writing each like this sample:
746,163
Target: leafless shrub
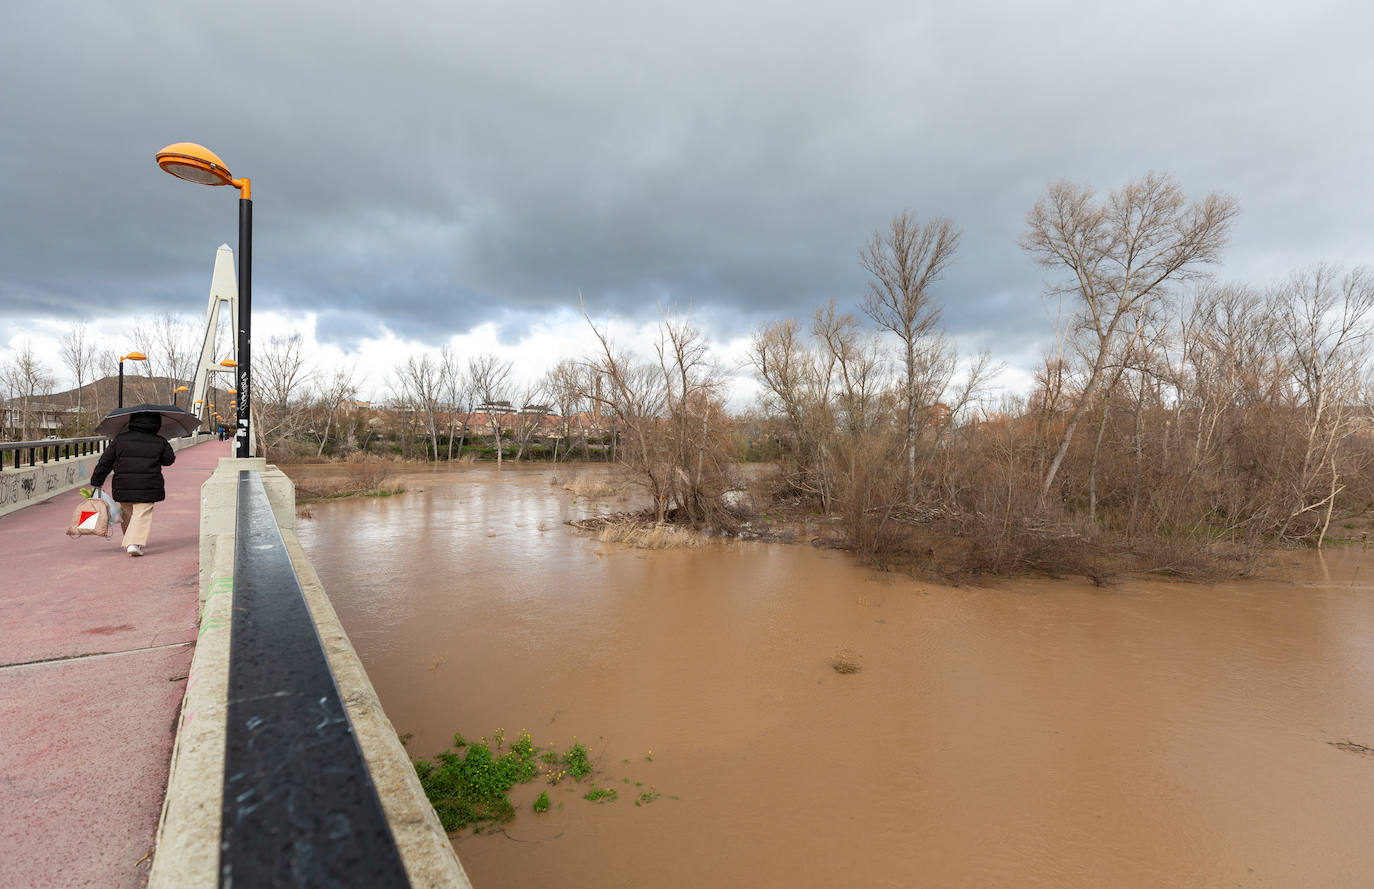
359,476
367,472
675,434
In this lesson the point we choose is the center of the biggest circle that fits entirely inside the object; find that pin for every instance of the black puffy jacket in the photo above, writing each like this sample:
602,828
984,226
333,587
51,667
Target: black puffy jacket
136,456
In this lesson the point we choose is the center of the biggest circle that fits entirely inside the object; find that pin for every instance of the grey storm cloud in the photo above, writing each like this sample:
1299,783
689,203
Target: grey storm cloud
429,167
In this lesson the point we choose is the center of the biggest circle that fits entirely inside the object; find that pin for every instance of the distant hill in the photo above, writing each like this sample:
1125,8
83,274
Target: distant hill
98,398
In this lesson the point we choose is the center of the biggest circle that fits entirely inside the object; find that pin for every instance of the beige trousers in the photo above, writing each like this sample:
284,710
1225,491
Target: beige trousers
137,522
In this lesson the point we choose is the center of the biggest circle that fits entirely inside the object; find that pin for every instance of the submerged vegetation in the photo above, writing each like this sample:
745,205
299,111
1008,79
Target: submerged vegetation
361,475
642,532
469,783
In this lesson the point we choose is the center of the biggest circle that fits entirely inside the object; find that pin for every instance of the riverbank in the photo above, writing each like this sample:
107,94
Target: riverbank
924,542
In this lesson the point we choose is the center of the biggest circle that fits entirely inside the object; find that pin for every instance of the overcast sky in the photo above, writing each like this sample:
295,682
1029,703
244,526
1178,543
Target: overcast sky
441,172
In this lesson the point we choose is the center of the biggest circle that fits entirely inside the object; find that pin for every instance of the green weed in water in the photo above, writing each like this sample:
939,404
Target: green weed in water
470,788
468,784
575,762
601,794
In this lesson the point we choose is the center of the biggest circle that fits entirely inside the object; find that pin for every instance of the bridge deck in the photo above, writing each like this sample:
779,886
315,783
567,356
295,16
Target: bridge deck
94,650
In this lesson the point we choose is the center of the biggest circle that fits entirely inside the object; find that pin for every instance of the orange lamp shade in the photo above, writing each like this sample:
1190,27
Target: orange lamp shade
196,163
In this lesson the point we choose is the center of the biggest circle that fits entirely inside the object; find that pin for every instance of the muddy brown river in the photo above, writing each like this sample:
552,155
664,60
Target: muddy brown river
1031,734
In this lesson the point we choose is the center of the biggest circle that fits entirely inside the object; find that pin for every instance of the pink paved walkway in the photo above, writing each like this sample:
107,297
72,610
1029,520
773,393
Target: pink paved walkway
94,649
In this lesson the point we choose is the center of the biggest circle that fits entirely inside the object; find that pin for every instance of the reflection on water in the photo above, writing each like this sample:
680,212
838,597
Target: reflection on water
1037,734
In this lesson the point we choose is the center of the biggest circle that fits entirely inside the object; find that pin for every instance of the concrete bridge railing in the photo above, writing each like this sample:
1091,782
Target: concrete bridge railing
257,766
37,470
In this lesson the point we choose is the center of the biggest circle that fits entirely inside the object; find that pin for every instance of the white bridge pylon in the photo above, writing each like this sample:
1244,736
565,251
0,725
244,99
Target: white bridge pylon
223,289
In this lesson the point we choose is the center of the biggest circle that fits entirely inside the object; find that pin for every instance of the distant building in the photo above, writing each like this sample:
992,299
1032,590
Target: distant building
44,418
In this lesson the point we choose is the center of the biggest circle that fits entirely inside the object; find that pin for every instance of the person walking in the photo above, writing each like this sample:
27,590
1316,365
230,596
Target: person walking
136,456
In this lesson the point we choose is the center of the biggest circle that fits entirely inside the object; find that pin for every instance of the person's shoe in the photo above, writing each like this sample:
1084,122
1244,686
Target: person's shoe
134,550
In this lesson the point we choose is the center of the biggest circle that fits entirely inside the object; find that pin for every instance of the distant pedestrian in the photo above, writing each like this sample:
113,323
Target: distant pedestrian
136,456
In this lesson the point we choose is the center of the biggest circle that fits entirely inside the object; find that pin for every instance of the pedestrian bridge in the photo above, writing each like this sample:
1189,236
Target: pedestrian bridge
196,717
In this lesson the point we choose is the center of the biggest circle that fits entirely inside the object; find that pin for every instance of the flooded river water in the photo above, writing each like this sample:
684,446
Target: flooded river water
1031,734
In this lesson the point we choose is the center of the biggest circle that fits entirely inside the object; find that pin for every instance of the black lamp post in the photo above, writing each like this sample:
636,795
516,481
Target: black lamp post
132,356
242,448
196,163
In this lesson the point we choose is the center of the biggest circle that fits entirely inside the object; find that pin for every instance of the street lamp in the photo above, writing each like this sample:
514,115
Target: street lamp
132,356
227,366
175,391
196,163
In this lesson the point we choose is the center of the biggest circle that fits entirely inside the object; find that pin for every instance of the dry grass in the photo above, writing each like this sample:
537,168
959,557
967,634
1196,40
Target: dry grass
647,535
592,485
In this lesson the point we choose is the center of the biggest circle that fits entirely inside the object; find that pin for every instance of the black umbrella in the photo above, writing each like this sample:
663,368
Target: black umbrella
175,421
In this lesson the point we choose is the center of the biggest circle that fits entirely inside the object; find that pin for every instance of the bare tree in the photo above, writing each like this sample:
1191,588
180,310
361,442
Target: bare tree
693,388
1121,254
78,352
107,366
566,383
27,379
331,398
671,417
796,386
281,376
455,385
529,420
855,363
632,393
172,345
422,391
489,377
1323,318
903,262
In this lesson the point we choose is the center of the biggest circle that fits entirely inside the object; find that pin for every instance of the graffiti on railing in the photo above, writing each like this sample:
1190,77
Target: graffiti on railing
43,481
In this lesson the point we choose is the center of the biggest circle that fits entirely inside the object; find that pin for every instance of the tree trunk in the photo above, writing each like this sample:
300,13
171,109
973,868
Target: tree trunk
1092,467
324,439
1138,435
910,423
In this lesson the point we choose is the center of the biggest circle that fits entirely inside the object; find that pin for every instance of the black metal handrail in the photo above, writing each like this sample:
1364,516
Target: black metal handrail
50,449
300,806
